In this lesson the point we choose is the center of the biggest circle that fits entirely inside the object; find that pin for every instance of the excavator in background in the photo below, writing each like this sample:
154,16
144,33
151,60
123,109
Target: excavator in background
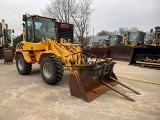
6,42
149,54
88,79
123,50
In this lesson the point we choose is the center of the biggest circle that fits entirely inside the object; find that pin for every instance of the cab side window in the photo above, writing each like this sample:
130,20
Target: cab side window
29,31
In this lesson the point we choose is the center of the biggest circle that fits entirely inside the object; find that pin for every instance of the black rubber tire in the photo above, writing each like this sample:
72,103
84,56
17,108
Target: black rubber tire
51,70
23,67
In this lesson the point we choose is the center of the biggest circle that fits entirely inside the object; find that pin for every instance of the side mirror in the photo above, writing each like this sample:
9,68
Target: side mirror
24,17
151,30
23,24
6,26
12,30
37,17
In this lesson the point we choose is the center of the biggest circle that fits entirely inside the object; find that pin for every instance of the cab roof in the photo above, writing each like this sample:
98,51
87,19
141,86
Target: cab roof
36,15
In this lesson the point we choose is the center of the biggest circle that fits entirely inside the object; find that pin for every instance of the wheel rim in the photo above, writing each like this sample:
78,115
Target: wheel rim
47,70
20,63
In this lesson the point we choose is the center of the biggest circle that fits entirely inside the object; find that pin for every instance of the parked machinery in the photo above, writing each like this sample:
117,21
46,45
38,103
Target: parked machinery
149,54
123,50
87,81
99,48
156,34
3,27
6,42
103,45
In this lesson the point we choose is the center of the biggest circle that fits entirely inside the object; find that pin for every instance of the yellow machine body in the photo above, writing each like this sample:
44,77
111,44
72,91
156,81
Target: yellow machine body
87,81
64,51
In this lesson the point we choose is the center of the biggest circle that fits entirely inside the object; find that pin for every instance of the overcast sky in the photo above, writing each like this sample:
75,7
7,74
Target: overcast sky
108,14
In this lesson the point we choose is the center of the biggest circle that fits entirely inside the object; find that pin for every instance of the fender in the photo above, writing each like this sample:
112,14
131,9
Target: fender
25,55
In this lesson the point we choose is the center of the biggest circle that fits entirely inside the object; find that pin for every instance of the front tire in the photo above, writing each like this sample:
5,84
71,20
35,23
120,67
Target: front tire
51,70
23,67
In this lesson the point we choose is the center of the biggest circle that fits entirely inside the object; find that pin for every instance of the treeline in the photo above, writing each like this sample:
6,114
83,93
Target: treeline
120,31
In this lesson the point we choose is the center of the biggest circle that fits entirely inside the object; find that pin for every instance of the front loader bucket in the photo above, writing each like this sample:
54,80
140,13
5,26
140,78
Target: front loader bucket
99,52
139,53
85,82
119,52
89,82
8,55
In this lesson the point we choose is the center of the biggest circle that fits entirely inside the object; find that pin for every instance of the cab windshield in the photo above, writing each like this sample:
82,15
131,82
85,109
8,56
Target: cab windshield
133,37
8,33
113,40
44,28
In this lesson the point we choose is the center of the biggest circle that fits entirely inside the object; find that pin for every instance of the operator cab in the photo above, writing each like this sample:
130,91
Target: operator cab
157,32
136,36
115,39
37,28
103,41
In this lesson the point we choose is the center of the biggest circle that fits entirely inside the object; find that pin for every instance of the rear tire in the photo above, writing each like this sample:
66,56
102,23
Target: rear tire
23,67
51,70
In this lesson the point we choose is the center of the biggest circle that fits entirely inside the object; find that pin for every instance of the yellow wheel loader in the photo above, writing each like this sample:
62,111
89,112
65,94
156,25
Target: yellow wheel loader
148,54
123,51
99,49
104,45
41,45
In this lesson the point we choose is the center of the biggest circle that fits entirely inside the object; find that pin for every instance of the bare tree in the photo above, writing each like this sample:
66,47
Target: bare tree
103,33
123,31
134,29
115,32
61,9
81,18
71,11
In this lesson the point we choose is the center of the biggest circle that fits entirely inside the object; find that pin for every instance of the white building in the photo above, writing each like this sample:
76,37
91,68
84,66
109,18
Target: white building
96,39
